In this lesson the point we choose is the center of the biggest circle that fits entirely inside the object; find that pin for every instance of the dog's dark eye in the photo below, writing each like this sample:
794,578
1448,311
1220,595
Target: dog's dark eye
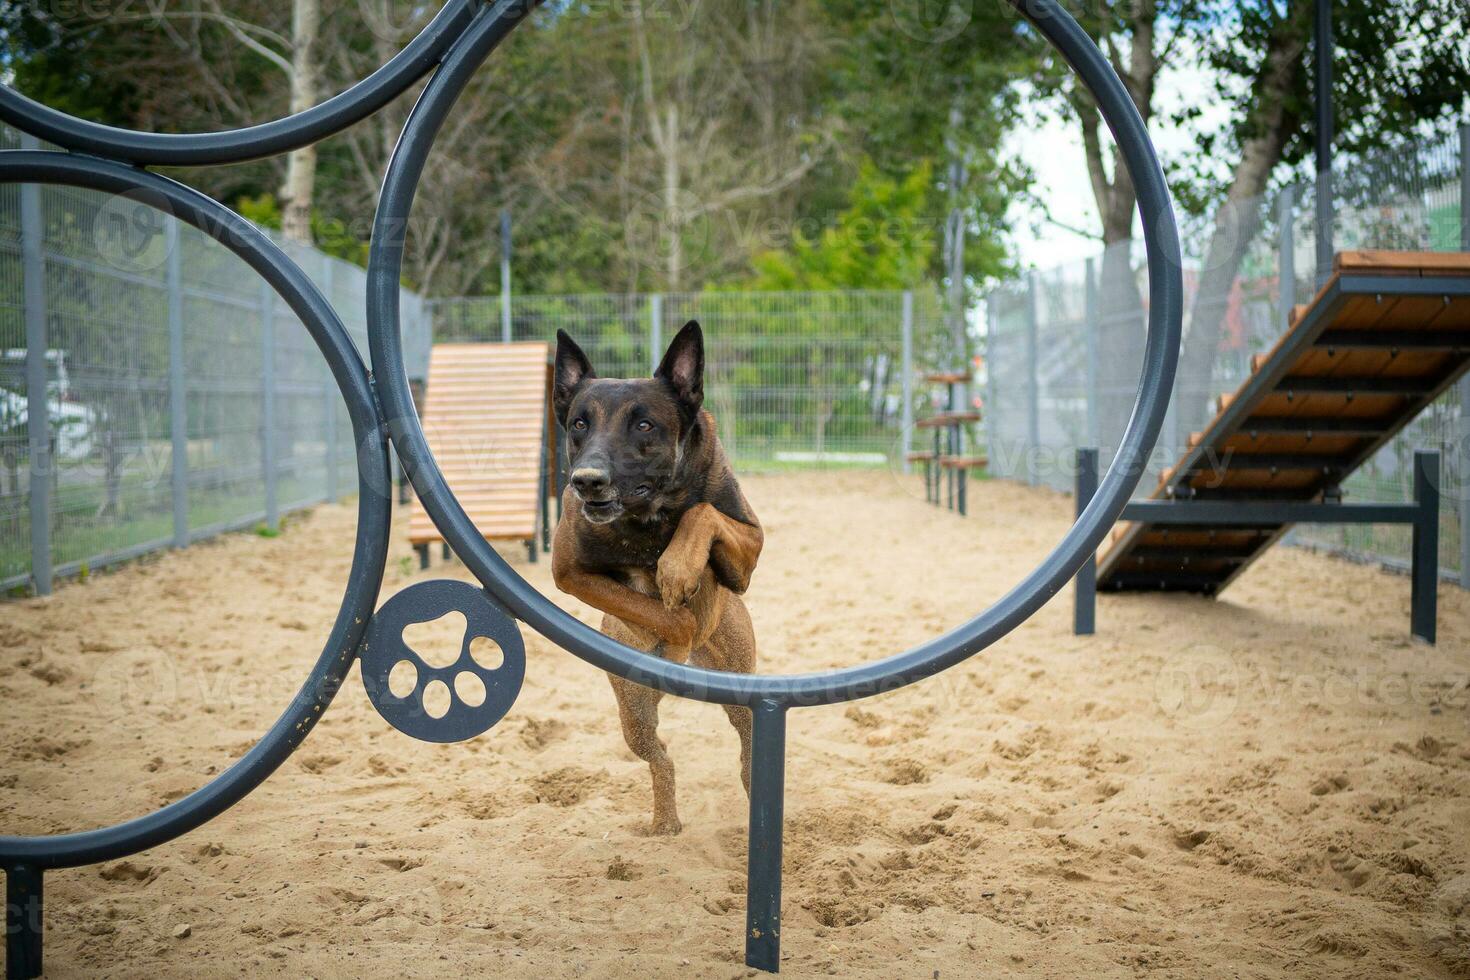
580,425
645,426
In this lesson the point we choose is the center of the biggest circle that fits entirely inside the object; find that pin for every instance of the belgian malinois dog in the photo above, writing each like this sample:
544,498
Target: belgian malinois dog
655,533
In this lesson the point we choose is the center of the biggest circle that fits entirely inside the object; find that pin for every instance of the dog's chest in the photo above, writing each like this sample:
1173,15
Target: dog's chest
631,546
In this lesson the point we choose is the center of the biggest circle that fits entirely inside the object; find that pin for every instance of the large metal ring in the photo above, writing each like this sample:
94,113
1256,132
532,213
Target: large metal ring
1161,355
417,58
373,510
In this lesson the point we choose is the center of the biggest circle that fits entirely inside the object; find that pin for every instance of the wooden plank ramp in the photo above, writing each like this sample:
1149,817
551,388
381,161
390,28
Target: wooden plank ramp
486,417
1386,335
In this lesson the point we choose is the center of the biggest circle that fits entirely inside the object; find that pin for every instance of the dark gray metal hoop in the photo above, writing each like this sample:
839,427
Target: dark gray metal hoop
415,61
460,37
1161,355
373,510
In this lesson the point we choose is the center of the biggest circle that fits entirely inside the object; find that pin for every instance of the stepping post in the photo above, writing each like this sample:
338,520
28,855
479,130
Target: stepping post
1424,590
767,808
23,900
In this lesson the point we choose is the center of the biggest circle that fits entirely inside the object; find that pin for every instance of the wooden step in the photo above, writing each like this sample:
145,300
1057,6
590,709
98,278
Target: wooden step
947,419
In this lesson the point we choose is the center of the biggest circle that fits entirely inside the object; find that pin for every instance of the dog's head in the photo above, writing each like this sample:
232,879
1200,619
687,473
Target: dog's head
627,438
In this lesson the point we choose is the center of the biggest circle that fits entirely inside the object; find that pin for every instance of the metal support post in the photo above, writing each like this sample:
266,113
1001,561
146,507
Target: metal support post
23,926
1424,596
767,806
1084,597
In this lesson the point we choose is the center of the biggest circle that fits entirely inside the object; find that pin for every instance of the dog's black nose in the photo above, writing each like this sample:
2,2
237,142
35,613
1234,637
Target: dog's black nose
588,480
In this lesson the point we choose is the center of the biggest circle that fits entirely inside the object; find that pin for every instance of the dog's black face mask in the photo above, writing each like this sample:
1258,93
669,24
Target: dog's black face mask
626,438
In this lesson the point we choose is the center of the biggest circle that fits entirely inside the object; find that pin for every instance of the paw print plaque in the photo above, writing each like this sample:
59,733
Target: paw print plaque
413,712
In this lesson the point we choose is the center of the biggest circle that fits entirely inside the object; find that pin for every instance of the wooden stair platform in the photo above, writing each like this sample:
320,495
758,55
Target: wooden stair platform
487,419
947,418
1386,335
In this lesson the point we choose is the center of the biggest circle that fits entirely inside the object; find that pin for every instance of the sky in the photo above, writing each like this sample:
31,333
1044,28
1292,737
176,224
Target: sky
1053,149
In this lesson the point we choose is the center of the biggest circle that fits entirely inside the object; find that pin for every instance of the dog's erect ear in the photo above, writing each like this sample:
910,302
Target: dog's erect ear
573,370
683,368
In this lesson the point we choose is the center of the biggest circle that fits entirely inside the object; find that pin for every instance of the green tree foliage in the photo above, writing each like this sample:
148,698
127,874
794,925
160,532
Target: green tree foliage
648,145
883,240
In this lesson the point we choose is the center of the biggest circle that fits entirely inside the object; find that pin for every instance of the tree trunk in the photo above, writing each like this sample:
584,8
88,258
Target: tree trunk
673,219
1238,220
301,163
1120,303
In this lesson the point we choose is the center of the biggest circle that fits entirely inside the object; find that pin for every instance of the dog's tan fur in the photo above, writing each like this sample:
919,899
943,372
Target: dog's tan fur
686,605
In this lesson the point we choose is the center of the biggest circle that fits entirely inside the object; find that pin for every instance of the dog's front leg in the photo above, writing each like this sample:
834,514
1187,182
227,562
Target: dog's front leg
676,627
705,536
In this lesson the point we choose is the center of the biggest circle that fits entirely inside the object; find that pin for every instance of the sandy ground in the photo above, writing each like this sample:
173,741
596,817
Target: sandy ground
1275,784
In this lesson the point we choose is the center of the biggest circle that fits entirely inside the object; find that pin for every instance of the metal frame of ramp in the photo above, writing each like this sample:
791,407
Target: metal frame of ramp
1387,334
487,417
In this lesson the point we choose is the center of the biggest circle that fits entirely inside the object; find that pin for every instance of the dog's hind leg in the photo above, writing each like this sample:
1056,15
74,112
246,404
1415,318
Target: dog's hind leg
731,647
638,713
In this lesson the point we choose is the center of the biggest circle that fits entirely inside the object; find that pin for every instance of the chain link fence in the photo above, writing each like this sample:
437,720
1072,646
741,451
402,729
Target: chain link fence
794,379
181,398
1064,346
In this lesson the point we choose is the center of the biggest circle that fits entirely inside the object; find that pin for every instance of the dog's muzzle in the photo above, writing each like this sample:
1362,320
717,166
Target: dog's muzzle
593,486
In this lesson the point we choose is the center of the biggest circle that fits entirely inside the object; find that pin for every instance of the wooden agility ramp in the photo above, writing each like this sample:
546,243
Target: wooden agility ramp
1386,335
487,418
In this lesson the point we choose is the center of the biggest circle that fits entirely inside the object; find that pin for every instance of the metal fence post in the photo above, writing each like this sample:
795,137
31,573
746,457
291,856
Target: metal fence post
1093,328
1286,257
38,412
329,391
906,381
268,403
1465,382
178,394
1464,453
655,329
1325,45
993,447
505,320
1033,386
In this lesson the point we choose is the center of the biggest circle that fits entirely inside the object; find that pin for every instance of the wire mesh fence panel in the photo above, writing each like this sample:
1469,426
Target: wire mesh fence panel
1065,373
1008,381
1244,269
122,284
107,364
298,395
801,378
15,471
226,314
792,378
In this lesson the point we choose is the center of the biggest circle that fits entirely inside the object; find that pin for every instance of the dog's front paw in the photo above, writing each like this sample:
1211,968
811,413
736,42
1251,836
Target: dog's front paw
678,580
